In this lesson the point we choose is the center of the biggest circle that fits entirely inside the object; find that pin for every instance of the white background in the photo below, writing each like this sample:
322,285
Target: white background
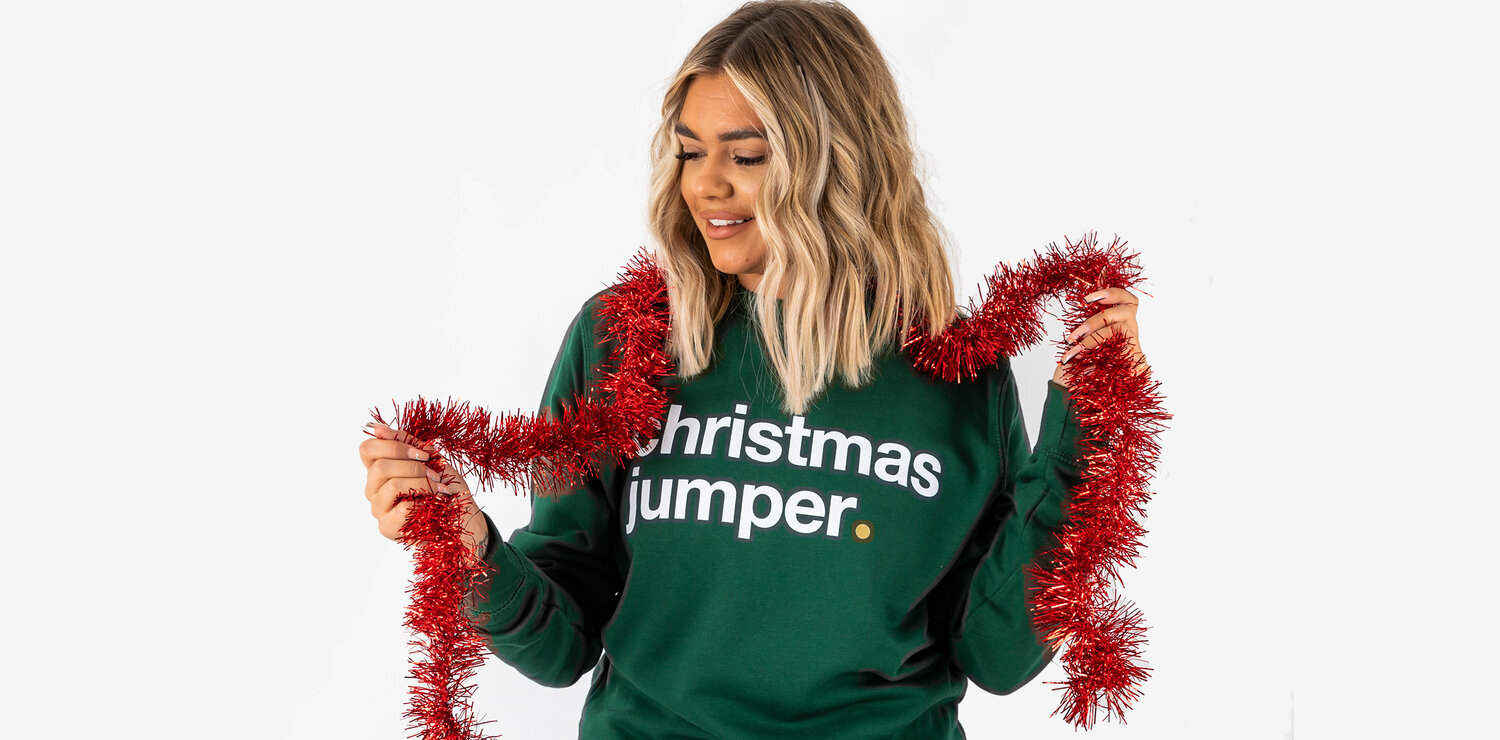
231,230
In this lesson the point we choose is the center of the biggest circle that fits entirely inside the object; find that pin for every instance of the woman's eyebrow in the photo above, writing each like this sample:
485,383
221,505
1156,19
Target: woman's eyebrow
733,135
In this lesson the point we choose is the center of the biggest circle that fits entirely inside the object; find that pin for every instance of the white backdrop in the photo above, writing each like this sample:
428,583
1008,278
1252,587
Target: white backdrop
230,230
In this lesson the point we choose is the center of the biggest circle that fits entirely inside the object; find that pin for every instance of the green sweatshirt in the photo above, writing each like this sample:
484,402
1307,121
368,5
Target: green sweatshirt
751,575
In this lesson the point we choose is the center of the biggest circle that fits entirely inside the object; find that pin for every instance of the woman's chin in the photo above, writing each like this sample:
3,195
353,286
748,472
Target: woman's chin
734,261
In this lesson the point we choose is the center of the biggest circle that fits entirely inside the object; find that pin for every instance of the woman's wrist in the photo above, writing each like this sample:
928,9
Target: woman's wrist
476,530
1060,375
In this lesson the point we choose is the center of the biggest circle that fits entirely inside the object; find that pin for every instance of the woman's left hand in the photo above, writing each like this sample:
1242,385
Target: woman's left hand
1119,318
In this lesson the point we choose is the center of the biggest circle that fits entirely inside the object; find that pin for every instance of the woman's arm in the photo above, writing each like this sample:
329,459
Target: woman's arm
557,581
994,642
550,594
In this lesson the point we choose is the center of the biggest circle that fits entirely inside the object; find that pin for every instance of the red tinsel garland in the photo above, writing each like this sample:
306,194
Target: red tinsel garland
1119,409
1115,403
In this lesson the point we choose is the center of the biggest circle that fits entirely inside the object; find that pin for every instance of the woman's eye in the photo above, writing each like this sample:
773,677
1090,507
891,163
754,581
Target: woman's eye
689,156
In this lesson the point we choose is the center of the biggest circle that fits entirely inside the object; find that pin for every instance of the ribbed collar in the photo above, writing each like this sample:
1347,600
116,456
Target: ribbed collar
743,297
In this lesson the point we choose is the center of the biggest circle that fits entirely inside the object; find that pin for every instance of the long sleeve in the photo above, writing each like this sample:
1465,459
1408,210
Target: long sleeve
995,643
557,580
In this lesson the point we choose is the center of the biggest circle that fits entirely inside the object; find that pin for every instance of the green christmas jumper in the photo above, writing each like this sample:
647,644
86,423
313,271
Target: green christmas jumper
753,574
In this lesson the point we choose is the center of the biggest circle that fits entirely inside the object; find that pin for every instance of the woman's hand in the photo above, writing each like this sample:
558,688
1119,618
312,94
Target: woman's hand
1119,318
396,463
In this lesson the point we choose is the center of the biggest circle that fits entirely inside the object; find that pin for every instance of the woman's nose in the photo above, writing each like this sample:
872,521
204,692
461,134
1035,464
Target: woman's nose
710,181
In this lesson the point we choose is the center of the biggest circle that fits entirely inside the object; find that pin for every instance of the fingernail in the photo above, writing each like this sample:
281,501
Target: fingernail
416,454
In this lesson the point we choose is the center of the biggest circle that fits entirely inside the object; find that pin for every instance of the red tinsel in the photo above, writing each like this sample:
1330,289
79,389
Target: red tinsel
451,649
543,454
1116,405
1119,410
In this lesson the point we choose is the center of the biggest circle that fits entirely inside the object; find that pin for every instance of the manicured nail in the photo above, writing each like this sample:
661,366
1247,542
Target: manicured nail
1070,355
416,454
1092,297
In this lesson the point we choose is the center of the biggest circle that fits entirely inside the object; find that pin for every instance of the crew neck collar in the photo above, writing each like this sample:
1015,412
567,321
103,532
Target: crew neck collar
744,294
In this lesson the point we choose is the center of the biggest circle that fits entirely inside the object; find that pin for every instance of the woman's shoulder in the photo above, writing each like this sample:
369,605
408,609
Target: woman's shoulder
589,318
580,351
590,331
589,311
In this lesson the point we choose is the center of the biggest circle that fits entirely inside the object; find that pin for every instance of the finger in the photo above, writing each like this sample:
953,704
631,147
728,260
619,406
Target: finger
451,476
377,431
426,445
386,496
385,431
380,431
385,469
1115,315
394,520
1097,338
375,448
1089,341
1112,296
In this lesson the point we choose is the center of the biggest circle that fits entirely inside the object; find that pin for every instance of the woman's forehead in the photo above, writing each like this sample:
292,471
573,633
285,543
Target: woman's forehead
715,107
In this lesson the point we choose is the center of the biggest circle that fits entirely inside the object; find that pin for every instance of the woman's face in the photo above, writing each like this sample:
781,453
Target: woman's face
724,151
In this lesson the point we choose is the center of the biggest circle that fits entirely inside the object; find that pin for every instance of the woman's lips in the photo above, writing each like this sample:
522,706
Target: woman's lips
724,232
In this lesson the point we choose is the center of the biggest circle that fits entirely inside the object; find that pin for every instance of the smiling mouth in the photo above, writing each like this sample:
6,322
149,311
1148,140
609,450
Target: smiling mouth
724,232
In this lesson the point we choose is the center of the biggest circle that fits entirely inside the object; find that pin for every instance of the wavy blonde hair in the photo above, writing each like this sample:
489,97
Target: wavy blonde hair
849,238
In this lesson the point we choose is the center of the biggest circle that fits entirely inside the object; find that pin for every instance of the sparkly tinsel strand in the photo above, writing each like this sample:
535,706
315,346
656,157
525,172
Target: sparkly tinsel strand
1119,410
449,650
538,452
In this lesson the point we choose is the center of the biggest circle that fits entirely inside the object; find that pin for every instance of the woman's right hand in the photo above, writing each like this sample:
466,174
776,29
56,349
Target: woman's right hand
395,464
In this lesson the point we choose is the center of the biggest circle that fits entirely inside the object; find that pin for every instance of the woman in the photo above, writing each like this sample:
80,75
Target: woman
822,541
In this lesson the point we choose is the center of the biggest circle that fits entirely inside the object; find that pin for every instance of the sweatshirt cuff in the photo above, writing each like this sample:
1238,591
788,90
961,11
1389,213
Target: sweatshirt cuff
504,581
1060,436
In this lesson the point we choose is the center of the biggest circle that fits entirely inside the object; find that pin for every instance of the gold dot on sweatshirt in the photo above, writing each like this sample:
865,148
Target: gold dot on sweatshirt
863,531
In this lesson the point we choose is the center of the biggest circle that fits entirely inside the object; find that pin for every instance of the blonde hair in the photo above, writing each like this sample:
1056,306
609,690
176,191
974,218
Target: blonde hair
849,238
